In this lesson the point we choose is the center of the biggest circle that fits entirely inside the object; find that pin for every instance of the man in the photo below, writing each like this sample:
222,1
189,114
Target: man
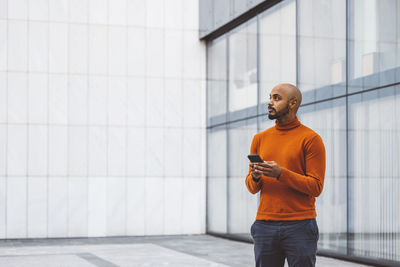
290,178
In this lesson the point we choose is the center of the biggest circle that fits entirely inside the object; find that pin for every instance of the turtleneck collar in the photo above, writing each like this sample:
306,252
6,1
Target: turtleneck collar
288,126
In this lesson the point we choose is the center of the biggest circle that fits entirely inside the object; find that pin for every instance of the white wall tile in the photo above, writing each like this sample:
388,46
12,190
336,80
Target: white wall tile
58,47
136,51
174,14
78,11
78,48
98,11
192,153
77,206
191,14
98,95
77,100
16,207
193,219
136,101
37,98
117,12
18,9
38,46
17,45
58,10
173,152
136,13
58,207
58,99
155,52
97,206
117,46
173,110
3,9
17,150
98,49
3,207
3,97
192,94
37,150
173,53
117,101
154,206
155,13
3,149
154,102
193,56
38,9
97,151
135,216
77,151
154,152
116,151
17,98
136,152
37,207
157,55
116,206
58,150
173,206
3,45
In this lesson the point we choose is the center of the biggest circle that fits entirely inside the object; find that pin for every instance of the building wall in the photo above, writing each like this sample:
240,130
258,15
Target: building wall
102,118
214,14
345,58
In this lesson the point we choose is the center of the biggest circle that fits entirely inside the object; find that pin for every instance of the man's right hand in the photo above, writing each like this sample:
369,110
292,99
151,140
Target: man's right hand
256,174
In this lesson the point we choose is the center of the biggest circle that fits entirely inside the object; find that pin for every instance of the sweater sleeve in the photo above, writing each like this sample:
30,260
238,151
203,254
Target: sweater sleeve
311,183
253,186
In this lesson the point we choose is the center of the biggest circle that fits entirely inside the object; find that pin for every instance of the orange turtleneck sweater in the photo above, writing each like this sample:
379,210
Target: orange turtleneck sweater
301,154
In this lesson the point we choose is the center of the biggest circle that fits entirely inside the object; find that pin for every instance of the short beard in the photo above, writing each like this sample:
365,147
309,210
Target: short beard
280,114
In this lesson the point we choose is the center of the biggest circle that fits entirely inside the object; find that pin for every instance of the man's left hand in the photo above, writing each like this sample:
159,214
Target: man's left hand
269,168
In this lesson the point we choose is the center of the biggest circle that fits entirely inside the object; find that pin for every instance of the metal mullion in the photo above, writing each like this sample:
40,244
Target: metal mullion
227,134
258,83
207,139
347,131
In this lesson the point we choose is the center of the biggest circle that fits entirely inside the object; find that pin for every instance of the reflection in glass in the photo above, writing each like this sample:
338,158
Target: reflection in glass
216,78
374,181
374,43
243,67
277,48
322,48
217,180
242,205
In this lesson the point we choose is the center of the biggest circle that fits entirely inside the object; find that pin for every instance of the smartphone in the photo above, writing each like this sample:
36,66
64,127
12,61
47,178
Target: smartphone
255,158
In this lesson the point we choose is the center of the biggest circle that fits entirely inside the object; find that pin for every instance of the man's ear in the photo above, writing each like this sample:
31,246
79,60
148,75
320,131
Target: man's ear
293,103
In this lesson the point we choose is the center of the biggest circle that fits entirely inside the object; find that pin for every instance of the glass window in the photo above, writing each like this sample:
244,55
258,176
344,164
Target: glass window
277,48
374,43
216,81
217,180
322,48
374,173
242,204
243,69
328,119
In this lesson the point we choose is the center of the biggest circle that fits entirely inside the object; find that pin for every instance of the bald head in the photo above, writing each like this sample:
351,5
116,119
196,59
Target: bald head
292,92
285,100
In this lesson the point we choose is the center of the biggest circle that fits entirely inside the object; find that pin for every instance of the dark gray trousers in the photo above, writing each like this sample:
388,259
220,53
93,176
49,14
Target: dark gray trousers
276,240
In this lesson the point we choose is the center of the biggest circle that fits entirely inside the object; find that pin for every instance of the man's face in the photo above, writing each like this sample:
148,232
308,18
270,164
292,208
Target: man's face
278,105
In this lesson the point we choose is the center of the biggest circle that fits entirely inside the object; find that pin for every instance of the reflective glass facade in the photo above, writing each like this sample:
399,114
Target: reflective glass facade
345,58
